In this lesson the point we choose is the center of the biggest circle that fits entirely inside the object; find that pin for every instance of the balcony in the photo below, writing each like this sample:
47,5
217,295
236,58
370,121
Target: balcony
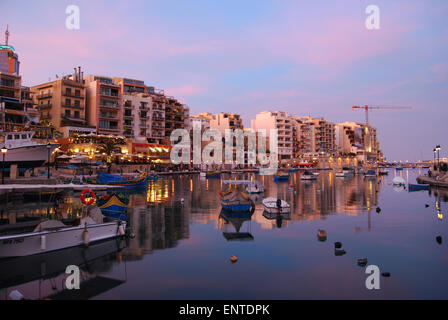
76,119
45,106
44,95
73,107
108,116
73,95
112,106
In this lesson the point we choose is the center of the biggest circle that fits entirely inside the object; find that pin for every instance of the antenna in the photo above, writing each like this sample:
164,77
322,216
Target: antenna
7,35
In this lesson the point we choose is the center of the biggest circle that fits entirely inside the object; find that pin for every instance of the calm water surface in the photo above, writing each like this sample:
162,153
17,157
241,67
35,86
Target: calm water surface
181,248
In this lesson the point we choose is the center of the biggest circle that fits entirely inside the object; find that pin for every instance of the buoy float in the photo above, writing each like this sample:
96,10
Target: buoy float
362,262
439,239
386,274
338,245
121,230
426,205
43,243
321,235
85,236
378,209
83,197
233,259
339,252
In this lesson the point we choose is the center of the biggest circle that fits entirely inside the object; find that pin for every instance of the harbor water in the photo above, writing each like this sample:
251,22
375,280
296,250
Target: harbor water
181,242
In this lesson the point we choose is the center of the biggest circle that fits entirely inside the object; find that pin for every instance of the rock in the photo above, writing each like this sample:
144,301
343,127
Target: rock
233,259
386,274
321,235
338,245
339,252
439,239
362,262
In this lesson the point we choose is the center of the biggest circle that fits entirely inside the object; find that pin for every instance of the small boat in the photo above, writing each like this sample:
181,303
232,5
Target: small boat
122,181
370,173
316,173
322,235
417,187
236,201
347,170
383,172
307,175
213,174
281,177
274,205
250,187
399,168
398,181
51,235
237,219
113,206
340,174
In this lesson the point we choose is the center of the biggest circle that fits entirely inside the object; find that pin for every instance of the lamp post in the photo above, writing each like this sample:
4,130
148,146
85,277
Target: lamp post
434,157
438,154
48,161
4,150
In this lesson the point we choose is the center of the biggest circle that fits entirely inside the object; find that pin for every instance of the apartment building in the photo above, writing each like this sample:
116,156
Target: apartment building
62,103
204,118
224,120
105,105
137,115
175,115
284,124
157,115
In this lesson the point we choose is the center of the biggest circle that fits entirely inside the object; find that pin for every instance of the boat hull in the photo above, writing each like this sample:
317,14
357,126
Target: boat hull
28,156
40,242
311,177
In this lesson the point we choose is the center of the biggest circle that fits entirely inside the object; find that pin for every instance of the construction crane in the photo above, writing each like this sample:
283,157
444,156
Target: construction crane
367,108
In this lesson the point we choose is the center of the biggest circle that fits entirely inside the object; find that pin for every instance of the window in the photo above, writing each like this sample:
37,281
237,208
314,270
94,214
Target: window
23,136
68,102
67,113
68,90
77,93
77,103
76,114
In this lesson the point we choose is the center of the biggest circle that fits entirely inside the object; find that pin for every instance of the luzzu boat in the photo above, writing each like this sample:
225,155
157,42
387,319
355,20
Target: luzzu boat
417,187
281,177
213,174
120,181
236,201
113,206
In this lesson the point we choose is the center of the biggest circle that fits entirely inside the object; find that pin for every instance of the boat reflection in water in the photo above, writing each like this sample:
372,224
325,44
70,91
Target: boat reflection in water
43,275
236,219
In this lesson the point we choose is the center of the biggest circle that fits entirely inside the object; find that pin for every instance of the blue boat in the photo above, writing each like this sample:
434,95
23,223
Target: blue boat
292,169
214,174
417,187
236,201
113,206
281,177
399,168
120,181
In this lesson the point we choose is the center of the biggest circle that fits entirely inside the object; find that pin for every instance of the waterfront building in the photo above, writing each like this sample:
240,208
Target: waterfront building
104,100
62,104
15,115
224,120
283,123
176,115
203,117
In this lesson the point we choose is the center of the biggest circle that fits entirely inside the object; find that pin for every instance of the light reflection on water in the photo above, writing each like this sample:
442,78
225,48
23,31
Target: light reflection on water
182,243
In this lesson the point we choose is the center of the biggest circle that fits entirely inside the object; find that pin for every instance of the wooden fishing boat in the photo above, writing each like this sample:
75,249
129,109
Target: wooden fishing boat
281,177
113,206
417,187
120,181
213,174
236,201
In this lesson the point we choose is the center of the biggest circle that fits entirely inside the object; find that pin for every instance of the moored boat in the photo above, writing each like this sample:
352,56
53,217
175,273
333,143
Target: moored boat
113,206
213,174
122,181
274,205
236,201
281,177
370,173
51,235
308,175
417,187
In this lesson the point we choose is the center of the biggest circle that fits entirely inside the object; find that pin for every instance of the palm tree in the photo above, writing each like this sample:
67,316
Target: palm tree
108,148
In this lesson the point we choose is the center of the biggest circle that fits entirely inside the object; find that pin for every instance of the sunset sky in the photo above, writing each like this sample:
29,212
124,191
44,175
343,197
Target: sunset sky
304,57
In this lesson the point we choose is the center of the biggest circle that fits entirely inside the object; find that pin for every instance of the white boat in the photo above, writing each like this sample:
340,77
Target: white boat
398,181
307,175
316,173
271,206
51,235
24,152
347,171
340,174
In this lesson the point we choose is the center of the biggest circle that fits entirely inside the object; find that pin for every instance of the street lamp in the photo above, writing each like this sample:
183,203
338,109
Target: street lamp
434,157
438,154
48,161
4,150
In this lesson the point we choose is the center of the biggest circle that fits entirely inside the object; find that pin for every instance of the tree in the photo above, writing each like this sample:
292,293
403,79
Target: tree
108,148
